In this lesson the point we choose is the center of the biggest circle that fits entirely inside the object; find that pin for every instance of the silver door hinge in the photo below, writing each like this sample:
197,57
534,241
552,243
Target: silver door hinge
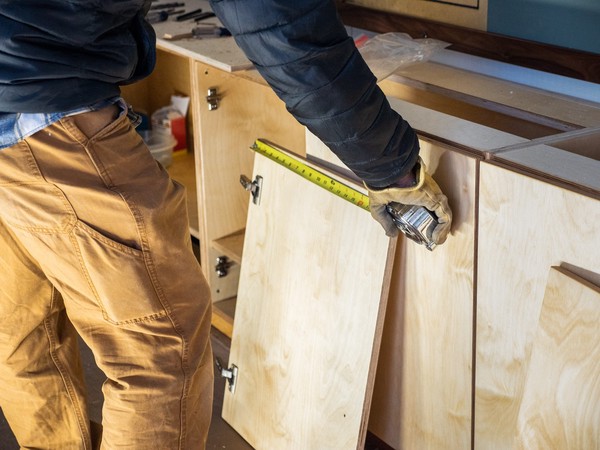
254,187
212,98
222,265
229,374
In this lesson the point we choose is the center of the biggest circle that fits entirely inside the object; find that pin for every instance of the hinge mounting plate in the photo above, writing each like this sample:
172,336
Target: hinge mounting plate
229,374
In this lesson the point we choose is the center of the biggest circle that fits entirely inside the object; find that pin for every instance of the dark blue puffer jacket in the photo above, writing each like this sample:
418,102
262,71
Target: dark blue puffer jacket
57,55
302,50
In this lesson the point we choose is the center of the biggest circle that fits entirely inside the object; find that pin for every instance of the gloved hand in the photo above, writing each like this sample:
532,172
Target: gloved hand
425,192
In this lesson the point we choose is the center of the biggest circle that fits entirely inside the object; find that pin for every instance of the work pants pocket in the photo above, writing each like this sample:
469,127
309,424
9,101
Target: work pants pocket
119,277
97,213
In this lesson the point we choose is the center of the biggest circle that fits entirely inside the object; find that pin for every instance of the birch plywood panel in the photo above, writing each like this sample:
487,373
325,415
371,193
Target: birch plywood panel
534,104
246,110
422,396
307,318
560,407
423,389
467,13
525,227
580,172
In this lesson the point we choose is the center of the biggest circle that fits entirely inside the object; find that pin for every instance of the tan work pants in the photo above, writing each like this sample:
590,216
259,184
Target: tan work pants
94,239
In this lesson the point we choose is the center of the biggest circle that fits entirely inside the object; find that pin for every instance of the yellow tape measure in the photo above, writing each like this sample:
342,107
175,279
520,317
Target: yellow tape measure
311,174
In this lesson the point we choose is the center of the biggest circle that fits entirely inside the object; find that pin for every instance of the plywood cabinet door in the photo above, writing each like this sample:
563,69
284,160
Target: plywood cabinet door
526,226
562,393
246,110
311,298
423,389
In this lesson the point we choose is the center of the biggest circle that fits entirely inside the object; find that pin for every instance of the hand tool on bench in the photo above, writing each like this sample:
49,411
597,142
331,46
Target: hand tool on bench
200,32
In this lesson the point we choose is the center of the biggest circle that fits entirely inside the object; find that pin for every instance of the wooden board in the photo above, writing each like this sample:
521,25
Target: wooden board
568,159
473,109
246,111
423,388
308,317
445,128
231,245
183,171
525,227
535,105
585,143
506,49
561,398
560,166
466,3
467,13
223,313
170,76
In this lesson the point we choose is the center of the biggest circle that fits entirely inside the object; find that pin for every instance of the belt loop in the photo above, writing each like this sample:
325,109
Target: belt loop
134,118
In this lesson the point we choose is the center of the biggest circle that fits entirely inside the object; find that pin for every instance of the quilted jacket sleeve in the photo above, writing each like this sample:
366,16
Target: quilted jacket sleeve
303,51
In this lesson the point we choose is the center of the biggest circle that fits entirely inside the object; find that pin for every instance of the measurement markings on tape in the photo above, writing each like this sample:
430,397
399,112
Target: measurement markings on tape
311,174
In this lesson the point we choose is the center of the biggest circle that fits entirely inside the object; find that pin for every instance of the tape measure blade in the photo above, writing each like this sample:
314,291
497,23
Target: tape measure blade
320,176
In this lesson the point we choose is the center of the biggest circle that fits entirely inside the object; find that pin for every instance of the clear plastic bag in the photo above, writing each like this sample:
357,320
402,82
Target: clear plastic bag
386,53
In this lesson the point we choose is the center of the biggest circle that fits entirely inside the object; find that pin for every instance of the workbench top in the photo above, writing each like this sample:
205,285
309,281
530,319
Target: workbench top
220,52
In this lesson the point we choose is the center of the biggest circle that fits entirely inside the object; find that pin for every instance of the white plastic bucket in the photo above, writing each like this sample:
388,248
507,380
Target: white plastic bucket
161,144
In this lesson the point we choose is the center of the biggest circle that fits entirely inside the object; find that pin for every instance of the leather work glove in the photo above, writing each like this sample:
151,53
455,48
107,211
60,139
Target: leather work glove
425,192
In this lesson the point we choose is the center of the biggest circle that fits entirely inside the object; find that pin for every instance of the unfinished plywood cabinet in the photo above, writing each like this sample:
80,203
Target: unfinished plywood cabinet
526,226
459,340
422,392
246,110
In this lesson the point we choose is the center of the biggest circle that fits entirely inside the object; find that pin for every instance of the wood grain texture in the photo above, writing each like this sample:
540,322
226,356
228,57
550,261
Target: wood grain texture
183,170
246,112
535,106
463,106
525,226
466,13
231,245
312,293
446,129
548,58
423,388
561,397
223,315
571,170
